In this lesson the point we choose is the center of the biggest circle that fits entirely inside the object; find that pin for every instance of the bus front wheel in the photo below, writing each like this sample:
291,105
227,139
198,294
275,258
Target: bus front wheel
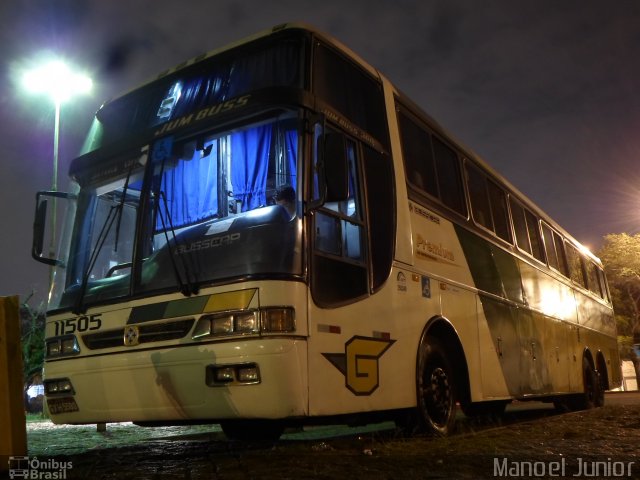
436,389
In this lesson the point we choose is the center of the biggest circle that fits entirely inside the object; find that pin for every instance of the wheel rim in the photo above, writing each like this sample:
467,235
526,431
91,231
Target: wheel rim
437,396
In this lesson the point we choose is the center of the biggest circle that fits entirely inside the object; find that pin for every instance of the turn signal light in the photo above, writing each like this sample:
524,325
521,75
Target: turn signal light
277,320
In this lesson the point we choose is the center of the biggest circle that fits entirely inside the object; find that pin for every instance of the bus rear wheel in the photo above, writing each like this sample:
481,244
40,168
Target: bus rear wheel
436,389
591,386
593,393
599,397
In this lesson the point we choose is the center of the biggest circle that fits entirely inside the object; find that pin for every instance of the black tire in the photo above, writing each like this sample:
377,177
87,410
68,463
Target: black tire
260,431
591,385
599,398
436,389
592,392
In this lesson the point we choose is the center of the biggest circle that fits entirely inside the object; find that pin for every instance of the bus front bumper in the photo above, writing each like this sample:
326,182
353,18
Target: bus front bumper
248,378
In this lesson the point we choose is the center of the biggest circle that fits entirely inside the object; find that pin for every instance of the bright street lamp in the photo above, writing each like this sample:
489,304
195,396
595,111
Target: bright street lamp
56,80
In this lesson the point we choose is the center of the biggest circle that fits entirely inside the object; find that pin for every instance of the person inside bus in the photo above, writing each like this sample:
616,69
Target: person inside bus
286,197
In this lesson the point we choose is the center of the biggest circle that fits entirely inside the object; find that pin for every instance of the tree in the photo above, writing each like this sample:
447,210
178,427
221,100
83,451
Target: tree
32,324
620,255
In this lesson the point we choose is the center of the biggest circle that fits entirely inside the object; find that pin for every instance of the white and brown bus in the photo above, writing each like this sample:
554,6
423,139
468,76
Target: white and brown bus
272,234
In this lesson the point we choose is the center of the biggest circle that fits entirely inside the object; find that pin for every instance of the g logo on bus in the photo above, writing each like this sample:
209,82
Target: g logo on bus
359,363
131,336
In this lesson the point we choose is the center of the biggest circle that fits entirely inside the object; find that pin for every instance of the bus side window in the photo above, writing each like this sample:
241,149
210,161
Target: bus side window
527,230
418,156
488,203
576,267
562,257
327,238
534,235
603,285
340,272
520,226
554,248
480,208
592,278
498,201
431,165
448,174
550,247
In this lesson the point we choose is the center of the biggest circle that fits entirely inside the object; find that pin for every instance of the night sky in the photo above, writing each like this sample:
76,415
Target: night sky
546,92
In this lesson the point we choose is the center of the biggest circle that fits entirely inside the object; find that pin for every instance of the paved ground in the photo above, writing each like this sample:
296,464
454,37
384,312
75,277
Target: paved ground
529,432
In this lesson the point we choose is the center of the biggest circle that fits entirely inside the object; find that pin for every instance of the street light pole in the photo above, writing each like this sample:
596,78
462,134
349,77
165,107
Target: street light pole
56,139
54,187
60,83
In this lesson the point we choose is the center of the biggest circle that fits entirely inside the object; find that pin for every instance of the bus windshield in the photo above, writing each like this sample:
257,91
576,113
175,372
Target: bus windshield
187,212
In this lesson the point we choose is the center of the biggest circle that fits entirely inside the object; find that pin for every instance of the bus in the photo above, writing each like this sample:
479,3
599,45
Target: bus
272,235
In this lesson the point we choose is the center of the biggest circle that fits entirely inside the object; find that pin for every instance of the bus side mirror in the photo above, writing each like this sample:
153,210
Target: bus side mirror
38,228
336,167
40,225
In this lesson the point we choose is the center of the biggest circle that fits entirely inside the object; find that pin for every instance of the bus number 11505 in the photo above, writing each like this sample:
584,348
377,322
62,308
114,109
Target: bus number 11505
77,324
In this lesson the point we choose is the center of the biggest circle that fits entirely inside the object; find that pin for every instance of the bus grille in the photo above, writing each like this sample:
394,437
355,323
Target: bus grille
156,332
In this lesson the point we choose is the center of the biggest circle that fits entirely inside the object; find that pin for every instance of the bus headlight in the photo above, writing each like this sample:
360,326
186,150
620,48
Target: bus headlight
59,385
249,374
224,375
54,347
221,325
228,323
70,346
246,322
238,374
62,346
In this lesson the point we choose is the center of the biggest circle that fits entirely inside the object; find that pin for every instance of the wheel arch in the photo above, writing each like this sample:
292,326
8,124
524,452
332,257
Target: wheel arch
442,329
589,356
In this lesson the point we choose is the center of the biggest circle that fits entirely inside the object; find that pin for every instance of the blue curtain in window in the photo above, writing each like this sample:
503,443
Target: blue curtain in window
196,92
191,187
190,190
291,151
249,165
274,66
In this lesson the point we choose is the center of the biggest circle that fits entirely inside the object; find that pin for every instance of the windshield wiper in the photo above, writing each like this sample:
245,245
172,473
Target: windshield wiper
102,237
114,213
121,206
187,288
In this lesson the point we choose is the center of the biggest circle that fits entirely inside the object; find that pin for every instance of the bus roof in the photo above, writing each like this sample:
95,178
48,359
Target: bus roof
467,152
262,34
